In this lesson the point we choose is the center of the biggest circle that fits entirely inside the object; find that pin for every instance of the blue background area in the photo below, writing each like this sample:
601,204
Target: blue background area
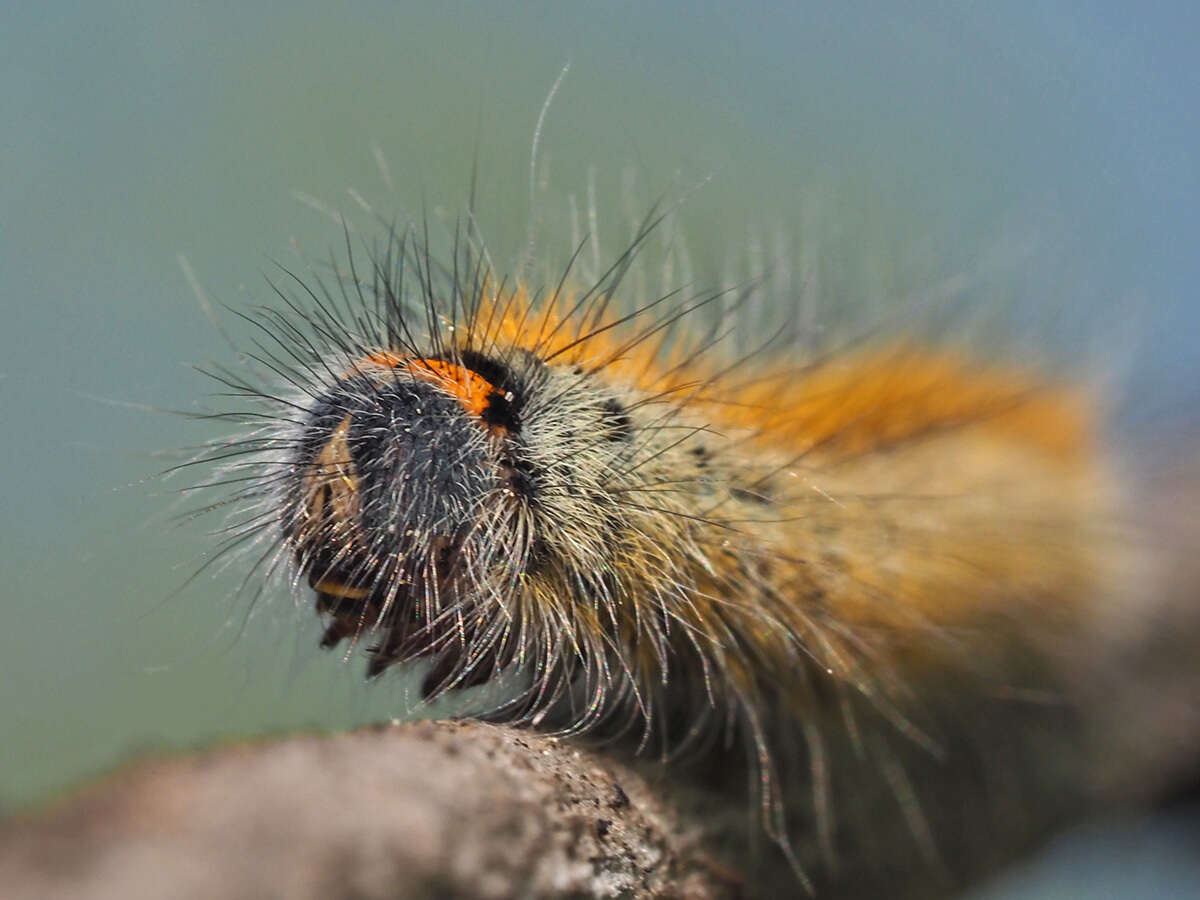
138,131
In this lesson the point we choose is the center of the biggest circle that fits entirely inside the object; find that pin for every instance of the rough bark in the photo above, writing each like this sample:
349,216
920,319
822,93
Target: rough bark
425,809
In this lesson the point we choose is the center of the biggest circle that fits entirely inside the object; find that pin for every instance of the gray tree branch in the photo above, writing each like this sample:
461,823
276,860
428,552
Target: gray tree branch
425,809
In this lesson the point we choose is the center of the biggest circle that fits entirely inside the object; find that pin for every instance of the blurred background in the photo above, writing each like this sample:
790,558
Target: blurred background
1057,143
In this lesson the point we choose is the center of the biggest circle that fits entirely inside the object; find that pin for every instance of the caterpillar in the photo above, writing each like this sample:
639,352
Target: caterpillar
859,576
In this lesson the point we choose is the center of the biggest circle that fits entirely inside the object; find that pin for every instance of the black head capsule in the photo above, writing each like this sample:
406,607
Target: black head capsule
386,497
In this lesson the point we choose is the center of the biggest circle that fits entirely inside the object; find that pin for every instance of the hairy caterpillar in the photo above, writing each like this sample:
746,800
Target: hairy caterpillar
865,572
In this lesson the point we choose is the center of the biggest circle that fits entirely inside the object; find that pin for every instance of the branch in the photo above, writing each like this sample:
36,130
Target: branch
424,809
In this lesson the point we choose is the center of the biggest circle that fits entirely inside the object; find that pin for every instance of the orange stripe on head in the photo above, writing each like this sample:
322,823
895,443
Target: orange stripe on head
470,389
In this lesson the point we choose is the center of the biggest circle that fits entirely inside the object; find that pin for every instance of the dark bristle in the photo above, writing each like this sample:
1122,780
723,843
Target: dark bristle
616,418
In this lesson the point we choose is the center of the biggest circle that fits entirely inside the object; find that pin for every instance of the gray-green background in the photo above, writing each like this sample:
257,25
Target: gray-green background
133,132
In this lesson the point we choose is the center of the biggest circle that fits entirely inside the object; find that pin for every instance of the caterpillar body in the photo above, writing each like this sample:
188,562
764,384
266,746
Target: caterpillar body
863,572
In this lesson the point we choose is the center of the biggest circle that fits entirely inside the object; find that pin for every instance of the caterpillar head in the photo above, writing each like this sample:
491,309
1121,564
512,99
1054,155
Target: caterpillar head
464,508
